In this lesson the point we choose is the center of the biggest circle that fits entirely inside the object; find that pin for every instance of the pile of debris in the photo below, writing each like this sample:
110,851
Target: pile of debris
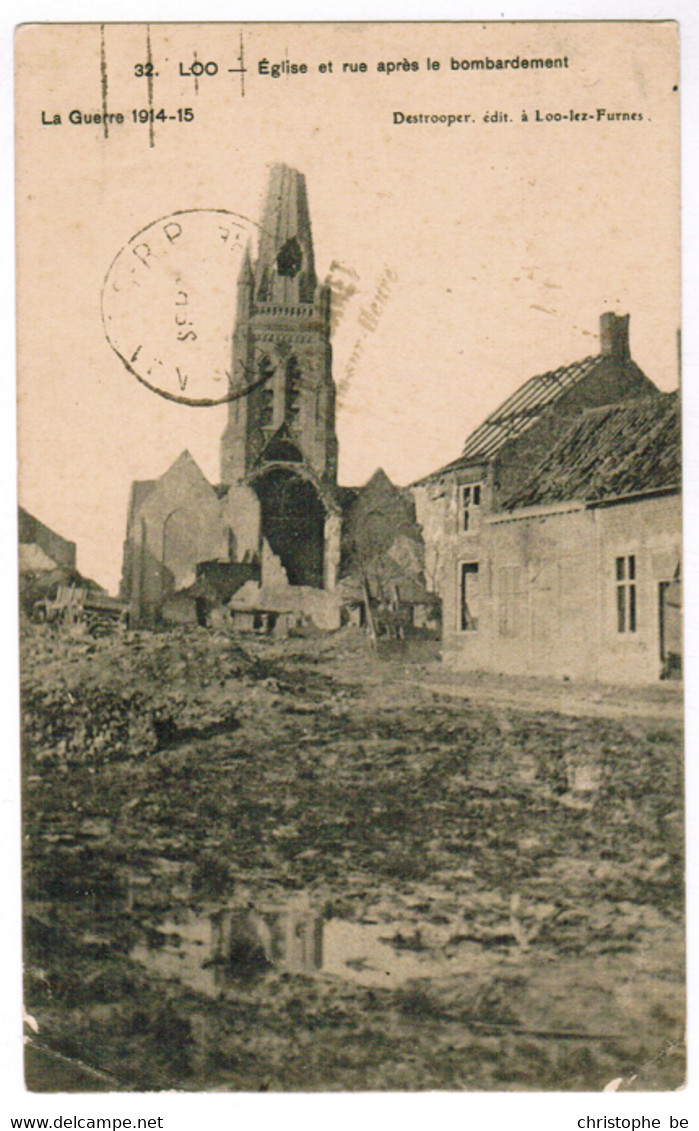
74,606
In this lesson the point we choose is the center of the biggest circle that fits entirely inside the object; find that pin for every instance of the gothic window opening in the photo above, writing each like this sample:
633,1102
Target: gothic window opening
292,391
626,594
469,594
266,371
180,546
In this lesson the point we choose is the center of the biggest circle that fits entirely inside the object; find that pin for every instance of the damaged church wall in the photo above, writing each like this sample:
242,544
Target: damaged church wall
293,514
177,525
380,514
332,535
383,559
240,513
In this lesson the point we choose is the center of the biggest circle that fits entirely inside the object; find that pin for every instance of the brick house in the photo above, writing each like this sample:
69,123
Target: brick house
555,537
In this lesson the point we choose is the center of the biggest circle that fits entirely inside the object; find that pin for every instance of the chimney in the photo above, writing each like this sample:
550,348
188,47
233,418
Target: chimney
614,336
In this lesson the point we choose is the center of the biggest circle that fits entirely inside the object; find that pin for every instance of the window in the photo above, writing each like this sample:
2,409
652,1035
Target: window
266,408
266,371
469,597
292,390
626,594
471,507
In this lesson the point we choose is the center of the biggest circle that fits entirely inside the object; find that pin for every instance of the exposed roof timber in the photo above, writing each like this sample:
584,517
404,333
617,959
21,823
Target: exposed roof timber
521,409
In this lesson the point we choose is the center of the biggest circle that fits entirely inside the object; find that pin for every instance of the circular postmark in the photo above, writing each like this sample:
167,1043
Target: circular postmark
169,305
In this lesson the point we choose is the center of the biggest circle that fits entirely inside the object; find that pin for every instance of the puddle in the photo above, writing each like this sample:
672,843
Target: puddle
388,954
217,948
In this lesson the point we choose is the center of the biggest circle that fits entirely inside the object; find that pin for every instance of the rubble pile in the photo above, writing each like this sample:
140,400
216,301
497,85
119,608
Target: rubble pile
112,699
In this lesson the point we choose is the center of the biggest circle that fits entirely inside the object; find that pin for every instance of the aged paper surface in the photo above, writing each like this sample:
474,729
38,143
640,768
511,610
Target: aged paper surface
350,556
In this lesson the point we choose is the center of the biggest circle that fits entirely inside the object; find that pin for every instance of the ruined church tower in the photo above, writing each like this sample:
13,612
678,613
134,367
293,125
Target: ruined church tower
282,333
280,438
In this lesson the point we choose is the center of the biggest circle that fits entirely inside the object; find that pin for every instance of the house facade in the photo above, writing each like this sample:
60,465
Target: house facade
578,574
554,540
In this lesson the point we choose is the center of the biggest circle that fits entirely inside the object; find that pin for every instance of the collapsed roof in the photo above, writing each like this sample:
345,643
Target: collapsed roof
604,378
609,453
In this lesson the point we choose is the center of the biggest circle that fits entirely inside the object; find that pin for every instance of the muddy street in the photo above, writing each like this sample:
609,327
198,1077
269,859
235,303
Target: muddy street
300,865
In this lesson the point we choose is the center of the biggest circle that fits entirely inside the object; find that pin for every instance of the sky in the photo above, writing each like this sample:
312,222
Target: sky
502,240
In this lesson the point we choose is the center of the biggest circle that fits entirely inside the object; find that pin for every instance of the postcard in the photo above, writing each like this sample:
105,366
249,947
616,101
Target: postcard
350,557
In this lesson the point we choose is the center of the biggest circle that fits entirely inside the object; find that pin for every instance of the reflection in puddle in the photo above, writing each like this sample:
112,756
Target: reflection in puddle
290,937
213,950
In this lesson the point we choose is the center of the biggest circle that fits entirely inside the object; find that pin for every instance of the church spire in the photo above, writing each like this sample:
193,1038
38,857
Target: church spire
285,270
246,283
281,342
246,272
